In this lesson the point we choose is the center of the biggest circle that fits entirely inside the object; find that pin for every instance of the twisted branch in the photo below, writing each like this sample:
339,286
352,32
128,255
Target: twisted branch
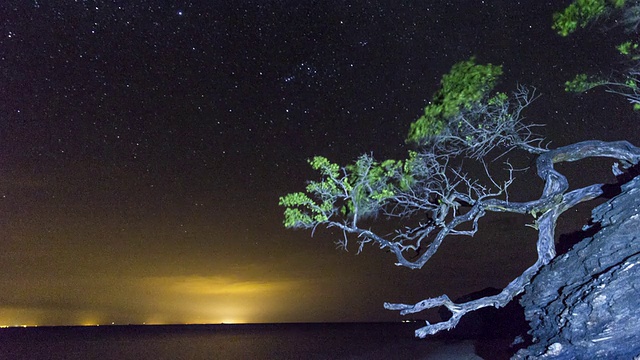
553,202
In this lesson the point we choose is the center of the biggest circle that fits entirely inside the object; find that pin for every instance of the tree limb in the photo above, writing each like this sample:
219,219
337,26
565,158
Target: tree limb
553,202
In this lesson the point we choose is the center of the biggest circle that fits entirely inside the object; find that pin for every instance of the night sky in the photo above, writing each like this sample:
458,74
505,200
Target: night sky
143,148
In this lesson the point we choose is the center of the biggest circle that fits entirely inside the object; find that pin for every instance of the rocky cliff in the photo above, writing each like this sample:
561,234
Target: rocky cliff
586,303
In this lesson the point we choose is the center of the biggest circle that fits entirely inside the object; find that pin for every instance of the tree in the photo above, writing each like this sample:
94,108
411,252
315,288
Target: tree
625,14
429,195
583,12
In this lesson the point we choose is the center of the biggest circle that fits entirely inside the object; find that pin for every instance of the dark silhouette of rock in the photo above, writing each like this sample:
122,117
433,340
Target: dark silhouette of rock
586,303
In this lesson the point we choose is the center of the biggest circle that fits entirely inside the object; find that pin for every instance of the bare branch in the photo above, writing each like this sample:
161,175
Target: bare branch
432,197
552,204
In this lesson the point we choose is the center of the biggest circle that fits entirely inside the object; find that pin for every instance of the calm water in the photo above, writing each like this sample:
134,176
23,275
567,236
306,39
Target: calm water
265,341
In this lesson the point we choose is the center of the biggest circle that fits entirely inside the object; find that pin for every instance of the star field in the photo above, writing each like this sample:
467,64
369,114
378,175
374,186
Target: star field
144,146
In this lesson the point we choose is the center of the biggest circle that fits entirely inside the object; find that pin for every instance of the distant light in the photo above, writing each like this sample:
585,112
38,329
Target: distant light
180,13
18,325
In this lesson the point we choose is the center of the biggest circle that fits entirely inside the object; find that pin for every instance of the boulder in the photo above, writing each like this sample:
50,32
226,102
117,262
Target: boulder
586,303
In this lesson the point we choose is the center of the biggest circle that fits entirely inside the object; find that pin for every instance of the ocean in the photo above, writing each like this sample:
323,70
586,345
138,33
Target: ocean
242,341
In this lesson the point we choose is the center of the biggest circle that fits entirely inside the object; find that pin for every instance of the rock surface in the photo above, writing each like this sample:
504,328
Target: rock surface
586,303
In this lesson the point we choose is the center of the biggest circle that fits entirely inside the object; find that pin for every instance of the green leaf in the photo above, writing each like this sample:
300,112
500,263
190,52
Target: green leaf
631,83
498,99
295,199
617,3
325,166
627,48
465,85
581,83
383,195
580,13
294,218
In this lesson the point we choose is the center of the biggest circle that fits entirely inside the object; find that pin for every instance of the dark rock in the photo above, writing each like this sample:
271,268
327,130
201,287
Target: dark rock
585,304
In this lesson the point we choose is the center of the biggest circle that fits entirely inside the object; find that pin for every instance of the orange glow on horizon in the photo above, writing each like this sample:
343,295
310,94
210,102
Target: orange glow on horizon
218,285
216,299
20,317
174,300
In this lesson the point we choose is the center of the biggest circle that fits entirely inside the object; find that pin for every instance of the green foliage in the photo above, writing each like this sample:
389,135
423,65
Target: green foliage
580,13
325,166
466,84
372,184
630,50
627,47
581,83
356,191
294,216
302,211
428,125
498,99
408,170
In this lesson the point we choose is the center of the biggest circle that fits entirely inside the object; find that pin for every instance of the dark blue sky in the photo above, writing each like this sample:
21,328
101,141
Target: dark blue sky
143,148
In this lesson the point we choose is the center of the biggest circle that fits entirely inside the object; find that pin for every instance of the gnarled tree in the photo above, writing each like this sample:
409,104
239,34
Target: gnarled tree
623,14
466,119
